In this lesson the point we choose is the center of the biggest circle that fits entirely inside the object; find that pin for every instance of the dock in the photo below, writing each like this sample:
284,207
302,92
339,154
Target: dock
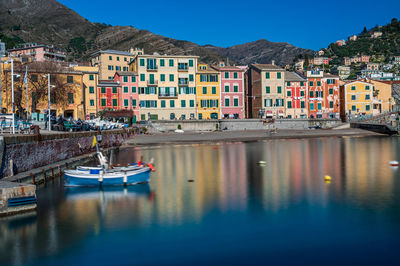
16,198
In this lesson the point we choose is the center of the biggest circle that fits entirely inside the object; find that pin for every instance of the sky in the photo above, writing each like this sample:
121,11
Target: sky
306,24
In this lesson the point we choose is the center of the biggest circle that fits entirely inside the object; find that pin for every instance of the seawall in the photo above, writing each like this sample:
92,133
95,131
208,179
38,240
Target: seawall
31,151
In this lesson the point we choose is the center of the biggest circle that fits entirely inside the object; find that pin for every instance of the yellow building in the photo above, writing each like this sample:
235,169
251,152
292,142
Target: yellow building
208,92
111,61
383,100
90,79
166,85
357,97
66,96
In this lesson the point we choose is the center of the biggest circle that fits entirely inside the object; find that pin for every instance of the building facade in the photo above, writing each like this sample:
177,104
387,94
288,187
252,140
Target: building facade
39,52
357,99
232,92
208,93
109,95
296,100
383,100
167,86
90,76
129,91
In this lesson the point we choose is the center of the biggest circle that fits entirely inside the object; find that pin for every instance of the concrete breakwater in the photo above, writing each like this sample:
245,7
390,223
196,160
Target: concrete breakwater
244,124
28,152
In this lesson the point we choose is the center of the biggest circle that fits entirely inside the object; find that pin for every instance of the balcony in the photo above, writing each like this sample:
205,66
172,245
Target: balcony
183,67
168,94
152,82
183,82
152,68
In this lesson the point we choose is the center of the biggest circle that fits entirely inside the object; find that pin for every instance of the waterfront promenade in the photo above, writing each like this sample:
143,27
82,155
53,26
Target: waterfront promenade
244,136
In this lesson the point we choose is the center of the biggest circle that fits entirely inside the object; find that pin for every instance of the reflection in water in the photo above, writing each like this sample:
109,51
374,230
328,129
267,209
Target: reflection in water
230,195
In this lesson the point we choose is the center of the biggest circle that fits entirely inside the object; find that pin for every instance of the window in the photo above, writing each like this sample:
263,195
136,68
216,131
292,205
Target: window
125,59
289,93
353,97
235,88
141,61
172,103
103,102
126,89
353,88
151,63
118,68
367,107
162,103
183,103
319,106
214,90
267,75
126,102
330,104
311,106
162,62
235,75
302,104
133,89
142,77
134,103
279,89
171,62
367,88
125,68
235,102
191,103
133,79
110,57
171,77
204,90
190,63
367,97
311,83
288,83
34,78
191,77
125,78
330,91
114,90
91,89
302,93
115,102
289,105
200,116
226,88
267,90
301,83
70,79
226,102
91,77
70,98
103,90
311,94
353,107
318,83
278,75
226,75
162,77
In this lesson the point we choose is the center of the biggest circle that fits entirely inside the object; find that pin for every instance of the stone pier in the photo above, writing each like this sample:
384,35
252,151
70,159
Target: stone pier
16,198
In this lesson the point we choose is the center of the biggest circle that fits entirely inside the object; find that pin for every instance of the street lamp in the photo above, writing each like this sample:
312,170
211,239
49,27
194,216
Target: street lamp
48,93
12,92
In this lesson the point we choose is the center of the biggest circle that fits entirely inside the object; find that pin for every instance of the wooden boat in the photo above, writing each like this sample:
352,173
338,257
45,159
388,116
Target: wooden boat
74,178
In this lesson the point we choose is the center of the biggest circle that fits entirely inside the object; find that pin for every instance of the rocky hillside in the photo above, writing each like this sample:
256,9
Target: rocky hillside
49,22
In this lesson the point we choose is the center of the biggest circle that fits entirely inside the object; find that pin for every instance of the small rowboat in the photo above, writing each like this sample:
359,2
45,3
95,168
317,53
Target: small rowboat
76,178
394,163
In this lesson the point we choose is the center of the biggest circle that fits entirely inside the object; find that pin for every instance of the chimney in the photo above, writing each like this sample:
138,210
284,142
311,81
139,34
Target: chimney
273,62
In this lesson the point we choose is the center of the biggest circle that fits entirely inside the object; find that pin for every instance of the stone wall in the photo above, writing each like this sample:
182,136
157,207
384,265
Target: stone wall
29,152
245,124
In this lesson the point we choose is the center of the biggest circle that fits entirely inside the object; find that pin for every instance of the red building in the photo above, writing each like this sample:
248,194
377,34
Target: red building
109,95
296,96
323,95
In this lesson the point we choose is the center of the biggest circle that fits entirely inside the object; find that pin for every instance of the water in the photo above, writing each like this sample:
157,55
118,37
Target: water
235,212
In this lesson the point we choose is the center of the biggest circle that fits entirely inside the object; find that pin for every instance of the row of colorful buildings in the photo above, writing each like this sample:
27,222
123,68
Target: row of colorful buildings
168,87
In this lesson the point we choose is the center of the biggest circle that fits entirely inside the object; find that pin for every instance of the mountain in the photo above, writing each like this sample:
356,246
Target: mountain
49,22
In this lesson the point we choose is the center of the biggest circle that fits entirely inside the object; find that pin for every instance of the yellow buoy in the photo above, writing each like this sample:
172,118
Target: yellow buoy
327,178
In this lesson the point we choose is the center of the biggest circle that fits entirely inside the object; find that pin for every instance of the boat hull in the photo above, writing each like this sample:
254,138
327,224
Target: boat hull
82,179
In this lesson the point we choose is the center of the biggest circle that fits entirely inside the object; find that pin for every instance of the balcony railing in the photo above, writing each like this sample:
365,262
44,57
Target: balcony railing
167,95
152,82
153,68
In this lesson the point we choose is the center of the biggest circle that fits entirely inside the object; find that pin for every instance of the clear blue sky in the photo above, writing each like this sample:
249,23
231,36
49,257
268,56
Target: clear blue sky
307,24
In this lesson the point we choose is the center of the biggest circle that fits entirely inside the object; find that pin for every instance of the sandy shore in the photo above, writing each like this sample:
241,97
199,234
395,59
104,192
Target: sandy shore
250,135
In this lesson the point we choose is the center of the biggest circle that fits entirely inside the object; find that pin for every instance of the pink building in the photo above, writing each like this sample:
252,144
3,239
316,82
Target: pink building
129,91
39,52
296,99
232,92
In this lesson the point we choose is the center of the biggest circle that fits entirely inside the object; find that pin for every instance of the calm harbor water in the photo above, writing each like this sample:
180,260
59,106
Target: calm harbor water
234,212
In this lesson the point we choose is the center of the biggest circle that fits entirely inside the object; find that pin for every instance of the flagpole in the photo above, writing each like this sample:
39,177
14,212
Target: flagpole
27,93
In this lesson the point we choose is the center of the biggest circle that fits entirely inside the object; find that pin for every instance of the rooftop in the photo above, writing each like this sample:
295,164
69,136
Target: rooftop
227,68
108,83
291,76
126,73
266,67
112,52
